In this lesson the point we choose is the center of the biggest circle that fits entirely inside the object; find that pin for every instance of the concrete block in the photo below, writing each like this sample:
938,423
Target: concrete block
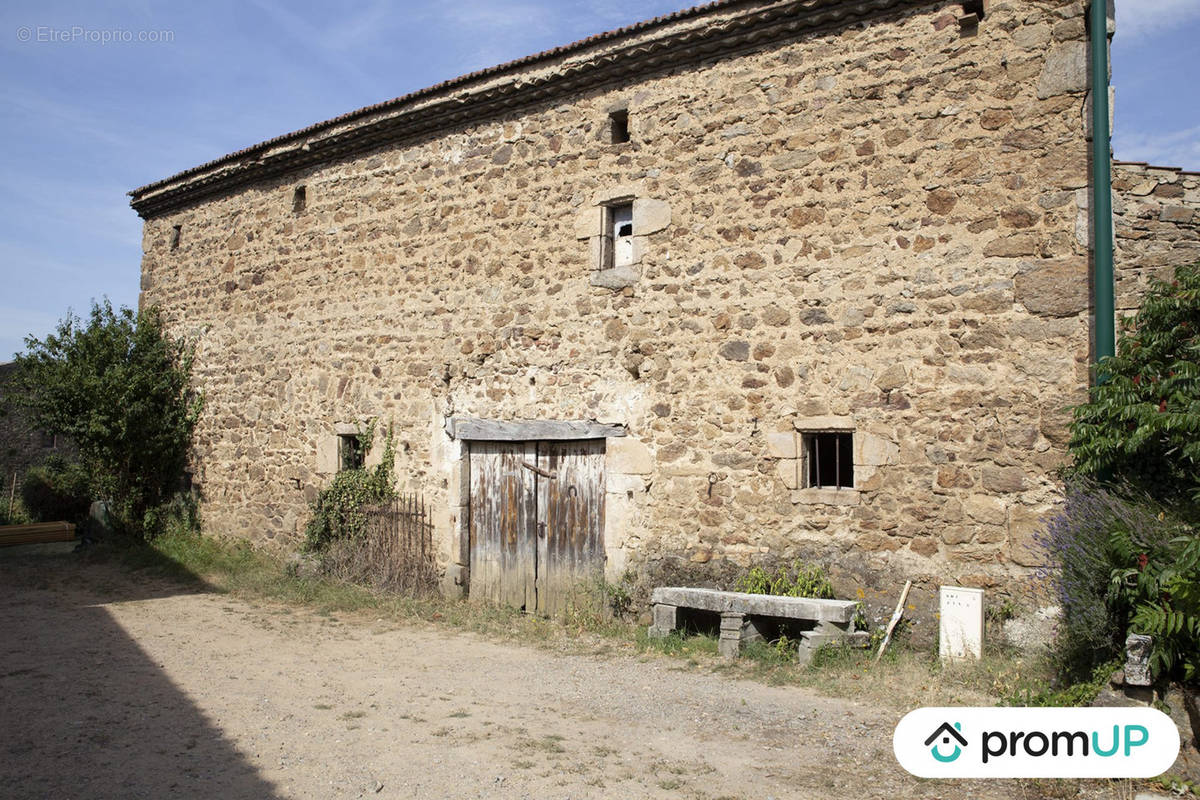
458,490
1065,70
874,451
461,543
1025,525
961,623
665,620
327,454
617,193
615,278
826,497
589,222
628,456
623,484
374,456
781,445
866,479
788,470
763,605
650,216
824,423
730,643
456,581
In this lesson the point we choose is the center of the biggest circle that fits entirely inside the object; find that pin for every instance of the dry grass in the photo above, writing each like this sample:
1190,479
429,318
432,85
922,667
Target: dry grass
907,677
394,553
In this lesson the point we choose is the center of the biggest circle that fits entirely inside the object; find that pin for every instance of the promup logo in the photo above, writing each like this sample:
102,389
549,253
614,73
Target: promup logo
946,732
1036,742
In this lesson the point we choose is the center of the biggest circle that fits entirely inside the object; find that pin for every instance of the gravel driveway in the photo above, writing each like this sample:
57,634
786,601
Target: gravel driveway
115,687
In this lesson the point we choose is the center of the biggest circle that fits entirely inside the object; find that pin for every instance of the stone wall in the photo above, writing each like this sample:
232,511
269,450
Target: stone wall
874,223
1156,224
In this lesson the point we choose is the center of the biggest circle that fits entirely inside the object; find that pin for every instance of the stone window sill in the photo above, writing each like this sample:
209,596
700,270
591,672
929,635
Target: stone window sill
827,497
616,277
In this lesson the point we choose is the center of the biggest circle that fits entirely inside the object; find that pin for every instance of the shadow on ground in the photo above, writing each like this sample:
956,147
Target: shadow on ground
85,711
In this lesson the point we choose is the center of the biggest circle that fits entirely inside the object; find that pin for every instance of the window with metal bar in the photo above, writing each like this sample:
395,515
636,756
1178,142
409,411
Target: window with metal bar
829,460
351,453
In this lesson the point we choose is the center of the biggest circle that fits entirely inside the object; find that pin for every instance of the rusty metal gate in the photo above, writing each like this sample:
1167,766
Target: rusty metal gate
537,521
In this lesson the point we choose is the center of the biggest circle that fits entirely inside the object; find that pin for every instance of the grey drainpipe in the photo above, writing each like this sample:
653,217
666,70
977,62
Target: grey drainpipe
1102,227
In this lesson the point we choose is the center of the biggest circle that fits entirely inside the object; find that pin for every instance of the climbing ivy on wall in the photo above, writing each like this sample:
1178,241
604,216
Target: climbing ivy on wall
339,512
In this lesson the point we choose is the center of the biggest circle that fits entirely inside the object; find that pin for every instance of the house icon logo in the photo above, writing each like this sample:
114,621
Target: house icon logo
945,732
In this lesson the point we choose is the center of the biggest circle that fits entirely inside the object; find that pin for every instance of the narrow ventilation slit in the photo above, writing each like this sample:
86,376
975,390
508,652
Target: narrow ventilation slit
176,235
299,199
618,126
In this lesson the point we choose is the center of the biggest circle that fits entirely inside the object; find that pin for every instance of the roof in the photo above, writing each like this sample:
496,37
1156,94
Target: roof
1148,165
706,31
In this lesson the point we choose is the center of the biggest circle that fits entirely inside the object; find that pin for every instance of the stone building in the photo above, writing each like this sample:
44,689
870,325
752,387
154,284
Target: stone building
22,446
757,280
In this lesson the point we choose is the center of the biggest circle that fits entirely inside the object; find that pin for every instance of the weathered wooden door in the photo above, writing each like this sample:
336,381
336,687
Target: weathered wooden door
537,521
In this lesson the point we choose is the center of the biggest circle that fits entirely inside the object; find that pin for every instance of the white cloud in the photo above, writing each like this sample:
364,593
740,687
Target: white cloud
1179,148
1139,19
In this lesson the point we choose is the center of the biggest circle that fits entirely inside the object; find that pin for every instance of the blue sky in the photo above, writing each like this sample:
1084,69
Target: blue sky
85,120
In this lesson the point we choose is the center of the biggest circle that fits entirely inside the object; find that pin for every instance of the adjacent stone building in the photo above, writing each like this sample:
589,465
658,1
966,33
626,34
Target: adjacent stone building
22,446
758,280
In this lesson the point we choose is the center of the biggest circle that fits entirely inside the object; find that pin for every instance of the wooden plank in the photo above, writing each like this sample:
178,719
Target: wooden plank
489,430
483,529
36,533
502,517
573,503
547,592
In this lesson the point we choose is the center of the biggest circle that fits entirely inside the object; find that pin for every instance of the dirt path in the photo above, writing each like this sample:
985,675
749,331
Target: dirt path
114,688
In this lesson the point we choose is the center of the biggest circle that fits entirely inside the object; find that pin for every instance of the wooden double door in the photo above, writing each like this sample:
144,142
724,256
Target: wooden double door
537,521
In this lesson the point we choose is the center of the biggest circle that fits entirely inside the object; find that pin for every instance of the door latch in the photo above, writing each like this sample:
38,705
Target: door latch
543,472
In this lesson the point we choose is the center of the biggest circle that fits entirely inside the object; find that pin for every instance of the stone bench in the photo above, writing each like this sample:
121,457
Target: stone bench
833,619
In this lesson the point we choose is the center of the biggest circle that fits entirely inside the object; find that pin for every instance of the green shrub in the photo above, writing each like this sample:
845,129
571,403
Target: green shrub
1124,564
1082,693
1141,423
13,513
119,386
1160,587
57,490
802,580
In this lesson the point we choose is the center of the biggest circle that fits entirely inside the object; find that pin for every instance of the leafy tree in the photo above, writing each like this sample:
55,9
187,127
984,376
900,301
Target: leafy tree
1141,423
119,386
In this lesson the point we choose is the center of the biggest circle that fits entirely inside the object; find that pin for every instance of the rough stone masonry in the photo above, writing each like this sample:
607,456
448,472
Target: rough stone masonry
855,218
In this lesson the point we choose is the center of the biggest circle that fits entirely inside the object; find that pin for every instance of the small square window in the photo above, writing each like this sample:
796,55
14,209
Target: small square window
618,126
618,236
828,460
351,454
